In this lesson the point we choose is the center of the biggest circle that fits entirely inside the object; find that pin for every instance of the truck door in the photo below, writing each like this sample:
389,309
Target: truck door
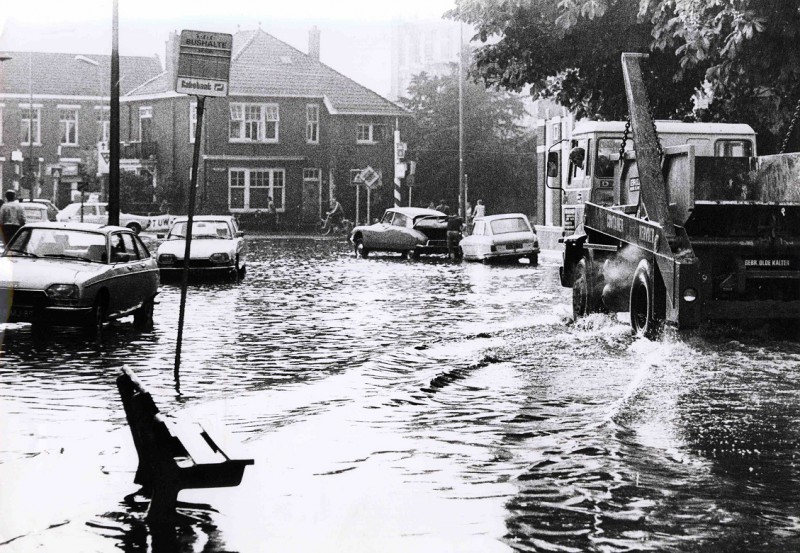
578,185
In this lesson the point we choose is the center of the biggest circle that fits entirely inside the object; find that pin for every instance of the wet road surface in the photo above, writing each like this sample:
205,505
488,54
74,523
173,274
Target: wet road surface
409,406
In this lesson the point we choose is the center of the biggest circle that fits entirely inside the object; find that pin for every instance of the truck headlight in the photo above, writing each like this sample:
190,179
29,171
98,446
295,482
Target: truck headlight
167,259
689,295
219,258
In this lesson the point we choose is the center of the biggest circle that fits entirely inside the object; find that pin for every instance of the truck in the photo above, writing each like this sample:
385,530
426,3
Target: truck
685,232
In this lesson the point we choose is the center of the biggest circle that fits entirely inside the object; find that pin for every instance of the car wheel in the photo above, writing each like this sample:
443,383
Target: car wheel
360,250
534,259
242,271
135,227
99,314
644,319
411,254
143,317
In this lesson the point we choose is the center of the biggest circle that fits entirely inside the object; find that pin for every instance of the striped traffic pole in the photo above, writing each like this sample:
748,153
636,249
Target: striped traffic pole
397,175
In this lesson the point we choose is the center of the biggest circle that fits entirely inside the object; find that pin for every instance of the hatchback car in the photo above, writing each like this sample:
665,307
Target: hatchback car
52,210
504,237
34,212
218,248
410,231
97,212
76,274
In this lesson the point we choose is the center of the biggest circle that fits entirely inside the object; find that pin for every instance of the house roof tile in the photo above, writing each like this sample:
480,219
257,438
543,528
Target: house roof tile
262,65
45,73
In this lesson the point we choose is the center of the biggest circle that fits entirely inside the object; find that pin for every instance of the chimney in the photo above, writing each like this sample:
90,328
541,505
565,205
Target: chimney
313,43
171,55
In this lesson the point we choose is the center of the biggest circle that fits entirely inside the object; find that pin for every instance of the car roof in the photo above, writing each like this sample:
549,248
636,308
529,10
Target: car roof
183,218
34,205
70,225
415,211
501,216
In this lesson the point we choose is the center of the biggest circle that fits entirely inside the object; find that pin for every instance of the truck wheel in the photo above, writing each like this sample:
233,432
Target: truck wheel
644,319
585,299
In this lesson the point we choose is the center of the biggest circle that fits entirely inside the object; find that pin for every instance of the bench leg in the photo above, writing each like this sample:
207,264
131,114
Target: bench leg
162,505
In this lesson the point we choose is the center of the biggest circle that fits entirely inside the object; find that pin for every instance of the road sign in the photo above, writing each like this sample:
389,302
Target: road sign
204,63
401,149
370,177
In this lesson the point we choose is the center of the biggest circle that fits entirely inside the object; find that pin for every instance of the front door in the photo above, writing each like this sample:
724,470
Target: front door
311,195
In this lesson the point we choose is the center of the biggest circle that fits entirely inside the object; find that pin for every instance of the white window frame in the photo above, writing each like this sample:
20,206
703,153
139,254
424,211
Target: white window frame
145,112
276,187
243,115
312,123
25,124
66,124
103,123
370,129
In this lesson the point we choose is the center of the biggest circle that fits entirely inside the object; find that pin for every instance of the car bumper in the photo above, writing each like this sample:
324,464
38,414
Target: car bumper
509,255
173,272
54,315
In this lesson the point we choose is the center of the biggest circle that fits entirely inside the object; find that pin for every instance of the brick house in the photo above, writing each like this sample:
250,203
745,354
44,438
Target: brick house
64,99
291,128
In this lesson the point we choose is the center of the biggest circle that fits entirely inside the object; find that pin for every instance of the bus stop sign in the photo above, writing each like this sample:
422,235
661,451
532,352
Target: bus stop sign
204,63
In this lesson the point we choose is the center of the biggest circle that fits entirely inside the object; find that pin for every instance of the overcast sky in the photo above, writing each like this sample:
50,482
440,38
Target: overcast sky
355,33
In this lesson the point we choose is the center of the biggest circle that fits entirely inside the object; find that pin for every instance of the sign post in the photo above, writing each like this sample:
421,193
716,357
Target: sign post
204,61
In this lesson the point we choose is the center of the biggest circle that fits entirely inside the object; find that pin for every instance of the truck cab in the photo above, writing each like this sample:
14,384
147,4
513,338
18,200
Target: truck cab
590,176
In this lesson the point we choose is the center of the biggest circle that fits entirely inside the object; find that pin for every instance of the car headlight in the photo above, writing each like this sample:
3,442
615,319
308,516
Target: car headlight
219,258
63,293
167,259
689,295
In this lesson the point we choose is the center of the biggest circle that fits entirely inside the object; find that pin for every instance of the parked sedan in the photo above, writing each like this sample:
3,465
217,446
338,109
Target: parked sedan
410,231
97,212
218,248
76,274
505,237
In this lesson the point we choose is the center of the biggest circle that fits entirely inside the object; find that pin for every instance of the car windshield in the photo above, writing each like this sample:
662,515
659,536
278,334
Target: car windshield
202,229
59,243
511,224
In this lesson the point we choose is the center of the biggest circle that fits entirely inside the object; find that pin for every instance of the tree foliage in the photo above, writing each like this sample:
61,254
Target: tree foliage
744,54
499,155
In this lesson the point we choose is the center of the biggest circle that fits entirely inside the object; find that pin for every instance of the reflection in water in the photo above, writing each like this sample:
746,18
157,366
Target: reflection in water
409,406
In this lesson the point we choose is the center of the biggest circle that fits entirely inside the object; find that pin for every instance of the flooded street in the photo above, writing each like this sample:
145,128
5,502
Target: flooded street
426,406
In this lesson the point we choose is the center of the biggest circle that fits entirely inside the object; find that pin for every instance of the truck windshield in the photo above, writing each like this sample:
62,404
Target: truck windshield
607,147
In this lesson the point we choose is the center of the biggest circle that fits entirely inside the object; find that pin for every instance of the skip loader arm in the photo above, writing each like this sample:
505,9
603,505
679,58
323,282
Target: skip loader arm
653,195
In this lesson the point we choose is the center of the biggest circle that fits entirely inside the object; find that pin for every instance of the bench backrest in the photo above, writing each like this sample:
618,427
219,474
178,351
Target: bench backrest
141,411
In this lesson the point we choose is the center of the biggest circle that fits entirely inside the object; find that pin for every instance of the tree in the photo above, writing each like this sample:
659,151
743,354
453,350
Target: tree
499,156
742,53
135,192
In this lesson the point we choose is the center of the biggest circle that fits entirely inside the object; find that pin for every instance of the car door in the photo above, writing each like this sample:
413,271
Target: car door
378,236
128,283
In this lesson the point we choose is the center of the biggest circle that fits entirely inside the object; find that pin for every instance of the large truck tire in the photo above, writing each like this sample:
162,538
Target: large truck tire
586,298
646,320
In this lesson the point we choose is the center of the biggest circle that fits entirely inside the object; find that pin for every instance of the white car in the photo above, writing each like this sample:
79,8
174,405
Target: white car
97,212
218,248
504,237
34,212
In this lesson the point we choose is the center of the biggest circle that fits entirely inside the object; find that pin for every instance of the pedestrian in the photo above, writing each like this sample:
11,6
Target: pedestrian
443,207
479,211
454,226
432,205
272,216
12,217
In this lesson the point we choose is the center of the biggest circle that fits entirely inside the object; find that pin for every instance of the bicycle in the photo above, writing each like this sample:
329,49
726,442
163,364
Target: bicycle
342,226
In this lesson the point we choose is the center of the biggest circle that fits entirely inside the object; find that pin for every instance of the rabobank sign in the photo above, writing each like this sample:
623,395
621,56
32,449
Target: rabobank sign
202,87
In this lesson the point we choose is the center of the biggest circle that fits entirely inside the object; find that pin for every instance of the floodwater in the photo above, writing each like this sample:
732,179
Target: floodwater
426,406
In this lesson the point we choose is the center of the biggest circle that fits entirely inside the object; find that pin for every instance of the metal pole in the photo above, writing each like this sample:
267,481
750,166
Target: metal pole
187,250
397,193
358,201
462,206
31,178
113,135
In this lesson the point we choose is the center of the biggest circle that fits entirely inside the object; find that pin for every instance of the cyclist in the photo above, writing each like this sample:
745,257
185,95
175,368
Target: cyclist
333,217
